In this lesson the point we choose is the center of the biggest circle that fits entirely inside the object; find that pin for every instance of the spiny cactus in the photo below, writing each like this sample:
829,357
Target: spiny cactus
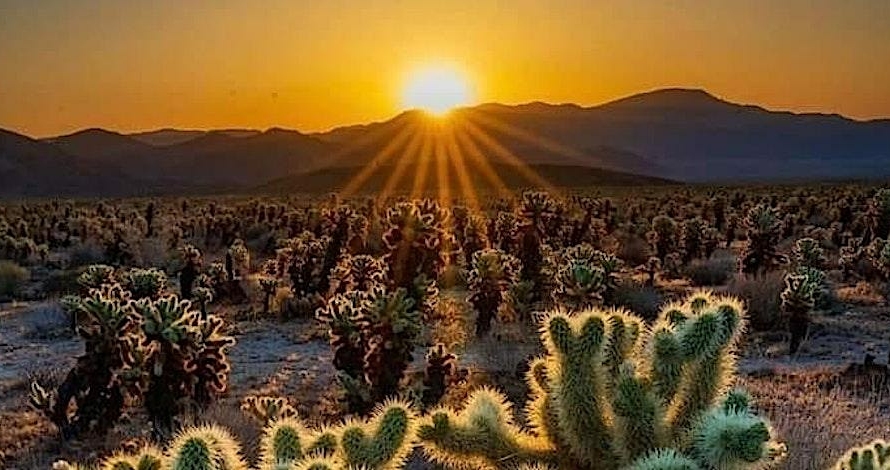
493,273
798,299
663,238
611,393
145,283
373,334
808,253
878,215
205,448
382,442
873,456
357,272
266,409
585,277
441,369
764,231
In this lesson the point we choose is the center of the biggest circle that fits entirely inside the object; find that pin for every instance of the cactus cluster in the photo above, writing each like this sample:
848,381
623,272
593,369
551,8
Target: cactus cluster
612,393
489,281
382,442
154,348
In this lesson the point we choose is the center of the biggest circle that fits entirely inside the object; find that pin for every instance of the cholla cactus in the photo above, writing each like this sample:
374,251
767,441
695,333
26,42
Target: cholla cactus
493,273
205,447
441,369
96,383
874,456
191,268
240,257
266,409
145,283
382,442
181,355
663,238
764,231
798,299
302,260
357,272
611,393
693,239
808,253
373,334
96,276
878,215
585,277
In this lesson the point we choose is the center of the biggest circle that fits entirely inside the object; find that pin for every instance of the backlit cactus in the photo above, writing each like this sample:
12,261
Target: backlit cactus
763,228
490,278
610,393
873,456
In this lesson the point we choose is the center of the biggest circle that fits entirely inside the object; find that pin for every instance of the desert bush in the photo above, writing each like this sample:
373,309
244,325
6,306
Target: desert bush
12,279
762,296
710,272
660,399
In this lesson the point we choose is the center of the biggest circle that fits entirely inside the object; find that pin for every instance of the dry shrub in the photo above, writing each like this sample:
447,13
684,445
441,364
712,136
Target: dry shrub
633,249
711,272
643,300
818,425
762,297
12,279
863,293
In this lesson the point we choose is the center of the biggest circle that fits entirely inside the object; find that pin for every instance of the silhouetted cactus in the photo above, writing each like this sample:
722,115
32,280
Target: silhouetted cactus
763,228
798,299
611,393
489,280
441,369
663,237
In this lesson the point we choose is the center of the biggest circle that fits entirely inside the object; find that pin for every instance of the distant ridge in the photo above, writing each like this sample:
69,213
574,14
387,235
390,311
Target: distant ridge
676,134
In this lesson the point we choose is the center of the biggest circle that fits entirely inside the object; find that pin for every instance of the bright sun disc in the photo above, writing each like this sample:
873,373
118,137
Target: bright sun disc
436,90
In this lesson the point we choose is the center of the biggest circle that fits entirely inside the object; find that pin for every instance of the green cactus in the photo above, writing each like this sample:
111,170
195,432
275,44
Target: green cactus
610,393
145,283
808,253
873,456
205,448
763,227
147,458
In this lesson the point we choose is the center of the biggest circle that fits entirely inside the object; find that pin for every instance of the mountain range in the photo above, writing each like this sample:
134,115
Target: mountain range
663,136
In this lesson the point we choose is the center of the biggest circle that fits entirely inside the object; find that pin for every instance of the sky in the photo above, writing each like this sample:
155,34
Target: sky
131,65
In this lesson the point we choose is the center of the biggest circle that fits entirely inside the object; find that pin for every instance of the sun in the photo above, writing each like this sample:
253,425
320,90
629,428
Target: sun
436,90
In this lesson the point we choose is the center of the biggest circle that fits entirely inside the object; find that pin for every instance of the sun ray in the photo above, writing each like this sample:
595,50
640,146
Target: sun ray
475,153
508,157
423,164
460,169
402,165
443,177
536,140
379,159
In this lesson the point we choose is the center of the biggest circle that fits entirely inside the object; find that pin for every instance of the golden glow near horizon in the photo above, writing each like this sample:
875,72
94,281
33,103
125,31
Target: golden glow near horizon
437,90
138,64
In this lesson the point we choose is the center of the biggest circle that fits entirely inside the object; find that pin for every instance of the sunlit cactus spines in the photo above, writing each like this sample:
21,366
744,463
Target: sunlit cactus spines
266,409
798,299
357,272
808,253
146,458
490,278
384,441
611,393
663,237
145,283
205,448
872,456
763,228
95,276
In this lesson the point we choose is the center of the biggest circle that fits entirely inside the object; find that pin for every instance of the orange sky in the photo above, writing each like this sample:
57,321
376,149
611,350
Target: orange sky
134,65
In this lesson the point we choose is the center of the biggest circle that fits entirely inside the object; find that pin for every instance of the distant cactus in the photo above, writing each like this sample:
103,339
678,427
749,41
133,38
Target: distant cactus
492,274
808,253
798,299
878,215
266,409
441,369
145,283
664,236
659,398
764,231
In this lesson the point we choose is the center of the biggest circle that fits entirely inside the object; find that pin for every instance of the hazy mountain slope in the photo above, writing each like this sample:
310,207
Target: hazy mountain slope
168,137
335,179
29,167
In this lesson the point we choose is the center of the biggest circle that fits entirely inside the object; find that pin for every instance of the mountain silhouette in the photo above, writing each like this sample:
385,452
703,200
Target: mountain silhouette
685,135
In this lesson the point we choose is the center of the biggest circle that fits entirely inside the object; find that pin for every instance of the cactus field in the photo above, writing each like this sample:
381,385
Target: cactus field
660,328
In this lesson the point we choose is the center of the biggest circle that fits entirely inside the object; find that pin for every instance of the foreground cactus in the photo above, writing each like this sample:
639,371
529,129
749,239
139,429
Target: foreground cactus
381,443
874,456
610,393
